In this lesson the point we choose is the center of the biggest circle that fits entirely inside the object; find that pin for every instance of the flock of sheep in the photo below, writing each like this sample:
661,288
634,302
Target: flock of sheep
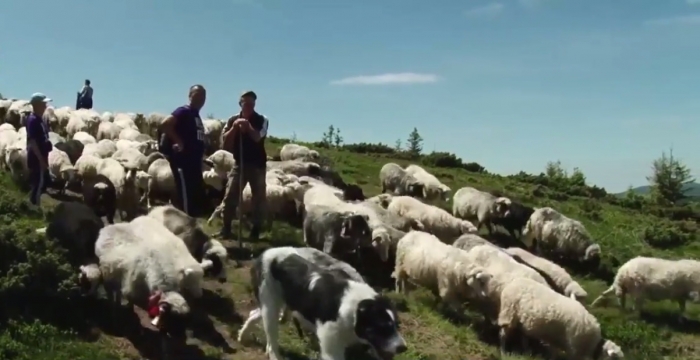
114,161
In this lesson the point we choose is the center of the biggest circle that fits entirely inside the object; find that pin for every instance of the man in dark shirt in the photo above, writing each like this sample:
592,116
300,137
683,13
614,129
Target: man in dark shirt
38,147
85,96
182,141
251,128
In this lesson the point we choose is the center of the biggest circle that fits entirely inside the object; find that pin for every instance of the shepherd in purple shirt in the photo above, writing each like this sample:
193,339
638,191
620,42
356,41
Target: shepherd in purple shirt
182,141
38,147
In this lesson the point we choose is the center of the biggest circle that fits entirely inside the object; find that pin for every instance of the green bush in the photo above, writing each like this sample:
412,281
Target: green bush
667,235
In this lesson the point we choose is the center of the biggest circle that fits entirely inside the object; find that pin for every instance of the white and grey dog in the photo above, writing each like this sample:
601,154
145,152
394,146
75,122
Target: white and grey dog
342,311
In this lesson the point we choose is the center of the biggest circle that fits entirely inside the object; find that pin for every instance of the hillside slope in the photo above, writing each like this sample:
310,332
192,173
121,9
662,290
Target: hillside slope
622,233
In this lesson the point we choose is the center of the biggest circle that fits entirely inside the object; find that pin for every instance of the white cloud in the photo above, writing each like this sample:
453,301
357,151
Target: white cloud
489,10
676,20
386,79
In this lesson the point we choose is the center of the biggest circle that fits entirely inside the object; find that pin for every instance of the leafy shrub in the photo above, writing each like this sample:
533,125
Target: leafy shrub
450,160
369,148
666,235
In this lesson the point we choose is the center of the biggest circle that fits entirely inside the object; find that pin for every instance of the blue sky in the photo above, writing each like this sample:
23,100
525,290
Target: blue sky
602,85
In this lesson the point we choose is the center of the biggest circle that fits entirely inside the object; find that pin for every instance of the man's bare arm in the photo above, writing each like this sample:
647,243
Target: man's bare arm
259,135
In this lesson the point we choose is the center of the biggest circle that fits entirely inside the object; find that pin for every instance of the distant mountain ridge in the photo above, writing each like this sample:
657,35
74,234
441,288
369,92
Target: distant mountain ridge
693,190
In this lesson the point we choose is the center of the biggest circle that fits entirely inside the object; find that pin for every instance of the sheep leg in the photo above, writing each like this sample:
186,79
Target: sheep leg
681,307
489,227
638,303
503,335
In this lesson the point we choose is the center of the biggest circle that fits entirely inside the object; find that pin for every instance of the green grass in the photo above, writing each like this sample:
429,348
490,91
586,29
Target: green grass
430,335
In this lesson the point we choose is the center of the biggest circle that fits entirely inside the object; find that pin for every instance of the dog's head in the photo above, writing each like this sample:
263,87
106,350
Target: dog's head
377,323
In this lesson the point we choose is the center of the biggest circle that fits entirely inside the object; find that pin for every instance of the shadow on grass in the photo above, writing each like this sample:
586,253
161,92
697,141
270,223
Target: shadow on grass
671,320
221,307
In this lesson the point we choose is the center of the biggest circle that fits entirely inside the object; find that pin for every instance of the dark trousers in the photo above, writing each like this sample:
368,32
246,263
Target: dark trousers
38,181
84,103
190,187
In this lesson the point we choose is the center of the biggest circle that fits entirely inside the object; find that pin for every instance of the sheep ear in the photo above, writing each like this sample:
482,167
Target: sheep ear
573,296
188,271
206,264
611,352
156,321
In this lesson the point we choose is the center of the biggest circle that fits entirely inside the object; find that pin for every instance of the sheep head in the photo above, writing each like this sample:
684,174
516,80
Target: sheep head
478,281
501,207
168,310
381,242
467,227
445,192
592,252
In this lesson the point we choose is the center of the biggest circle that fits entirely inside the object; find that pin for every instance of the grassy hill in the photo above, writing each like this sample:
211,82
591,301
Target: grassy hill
47,321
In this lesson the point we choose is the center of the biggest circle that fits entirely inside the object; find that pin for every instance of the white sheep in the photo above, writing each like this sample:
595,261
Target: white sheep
16,161
561,280
223,162
124,185
395,180
298,152
467,242
5,127
107,117
83,120
434,188
131,158
152,122
17,113
276,197
146,147
84,138
212,130
504,269
61,168
161,182
108,130
296,167
422,259
126,121
141,258
549,230
103,149
656,279
7,138
434,219
86,166
212,179
558,321
479,207
211,253
129,134
63,115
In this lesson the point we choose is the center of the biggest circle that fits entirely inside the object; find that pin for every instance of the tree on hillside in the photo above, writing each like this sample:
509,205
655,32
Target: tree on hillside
398,145
210,116
293,138
337,139
669,177
328,137
414,144
555,171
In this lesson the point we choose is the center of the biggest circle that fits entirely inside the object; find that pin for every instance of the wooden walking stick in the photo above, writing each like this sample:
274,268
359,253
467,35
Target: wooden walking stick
240,191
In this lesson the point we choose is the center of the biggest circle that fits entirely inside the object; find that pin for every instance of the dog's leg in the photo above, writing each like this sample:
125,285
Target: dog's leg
332,347
253,317
270,312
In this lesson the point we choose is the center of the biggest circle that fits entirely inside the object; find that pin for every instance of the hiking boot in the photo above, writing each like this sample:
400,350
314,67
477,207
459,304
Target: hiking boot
254,233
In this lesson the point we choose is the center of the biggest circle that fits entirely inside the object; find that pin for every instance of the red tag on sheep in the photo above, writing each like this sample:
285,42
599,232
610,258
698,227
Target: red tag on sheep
153,305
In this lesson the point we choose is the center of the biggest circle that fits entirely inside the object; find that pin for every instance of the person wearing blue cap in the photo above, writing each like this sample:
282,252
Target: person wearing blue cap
38,147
